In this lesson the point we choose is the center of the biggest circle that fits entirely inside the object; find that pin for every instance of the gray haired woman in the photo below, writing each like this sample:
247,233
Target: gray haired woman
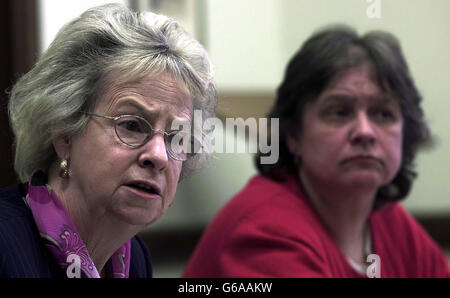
96,148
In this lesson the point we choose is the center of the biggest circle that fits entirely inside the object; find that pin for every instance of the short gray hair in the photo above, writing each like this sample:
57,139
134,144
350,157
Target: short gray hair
72,74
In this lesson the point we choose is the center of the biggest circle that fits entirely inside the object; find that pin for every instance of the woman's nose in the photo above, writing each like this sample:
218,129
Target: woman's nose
363,132
154,153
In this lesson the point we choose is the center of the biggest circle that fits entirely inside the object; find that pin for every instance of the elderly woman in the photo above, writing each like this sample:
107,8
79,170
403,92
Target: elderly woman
99,145
350,127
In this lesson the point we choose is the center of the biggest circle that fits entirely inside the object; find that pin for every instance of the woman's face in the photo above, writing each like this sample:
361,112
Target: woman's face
352,134
108,175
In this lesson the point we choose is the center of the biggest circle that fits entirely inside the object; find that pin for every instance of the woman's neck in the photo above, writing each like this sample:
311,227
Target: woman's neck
344,213
101,233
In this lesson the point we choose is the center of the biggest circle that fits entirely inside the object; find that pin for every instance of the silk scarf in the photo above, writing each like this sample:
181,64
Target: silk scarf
62,239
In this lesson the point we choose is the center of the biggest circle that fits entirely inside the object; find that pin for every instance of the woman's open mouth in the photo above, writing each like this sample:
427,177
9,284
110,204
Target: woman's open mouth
144,190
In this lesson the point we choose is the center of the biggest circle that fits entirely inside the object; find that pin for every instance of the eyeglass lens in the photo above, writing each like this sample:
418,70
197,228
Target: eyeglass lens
135,131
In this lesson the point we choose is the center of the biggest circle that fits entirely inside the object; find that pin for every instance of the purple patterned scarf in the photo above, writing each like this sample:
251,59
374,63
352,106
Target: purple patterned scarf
63,240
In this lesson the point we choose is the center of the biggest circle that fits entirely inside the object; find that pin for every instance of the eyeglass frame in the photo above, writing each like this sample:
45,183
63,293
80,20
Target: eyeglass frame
148,137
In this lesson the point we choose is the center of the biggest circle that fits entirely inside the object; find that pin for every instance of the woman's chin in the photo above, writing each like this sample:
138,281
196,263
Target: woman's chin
138,217
363,180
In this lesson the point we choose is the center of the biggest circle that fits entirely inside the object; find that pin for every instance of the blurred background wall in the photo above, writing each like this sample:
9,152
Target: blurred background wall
19,29
250,43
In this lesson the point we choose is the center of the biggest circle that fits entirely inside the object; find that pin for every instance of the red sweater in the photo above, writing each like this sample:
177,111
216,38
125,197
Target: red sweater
270,229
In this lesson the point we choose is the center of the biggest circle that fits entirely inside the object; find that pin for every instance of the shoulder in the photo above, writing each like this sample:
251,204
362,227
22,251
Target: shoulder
21,251
266,230
395,215
11,204
259,193
266,202
140,263
15,217
395,225
399,234
272,211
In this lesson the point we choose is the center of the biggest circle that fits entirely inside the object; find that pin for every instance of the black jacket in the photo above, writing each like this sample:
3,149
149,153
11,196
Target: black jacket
22,252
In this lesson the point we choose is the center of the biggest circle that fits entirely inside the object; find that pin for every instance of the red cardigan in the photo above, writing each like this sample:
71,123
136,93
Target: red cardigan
269,229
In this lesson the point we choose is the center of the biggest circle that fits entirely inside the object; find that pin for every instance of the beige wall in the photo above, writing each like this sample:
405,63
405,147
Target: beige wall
55,13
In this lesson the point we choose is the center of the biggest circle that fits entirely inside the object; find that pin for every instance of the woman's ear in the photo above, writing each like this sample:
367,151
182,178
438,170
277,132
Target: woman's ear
62,147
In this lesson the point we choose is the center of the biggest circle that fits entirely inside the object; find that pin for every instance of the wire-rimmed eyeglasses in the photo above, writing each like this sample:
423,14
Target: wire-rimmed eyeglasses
135,131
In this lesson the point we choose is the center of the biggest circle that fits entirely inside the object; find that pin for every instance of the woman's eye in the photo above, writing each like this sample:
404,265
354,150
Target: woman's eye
338,113
131,125
385,115
341,112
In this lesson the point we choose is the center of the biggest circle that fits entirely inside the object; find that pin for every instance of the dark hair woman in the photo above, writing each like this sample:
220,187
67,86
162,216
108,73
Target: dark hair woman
350,126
